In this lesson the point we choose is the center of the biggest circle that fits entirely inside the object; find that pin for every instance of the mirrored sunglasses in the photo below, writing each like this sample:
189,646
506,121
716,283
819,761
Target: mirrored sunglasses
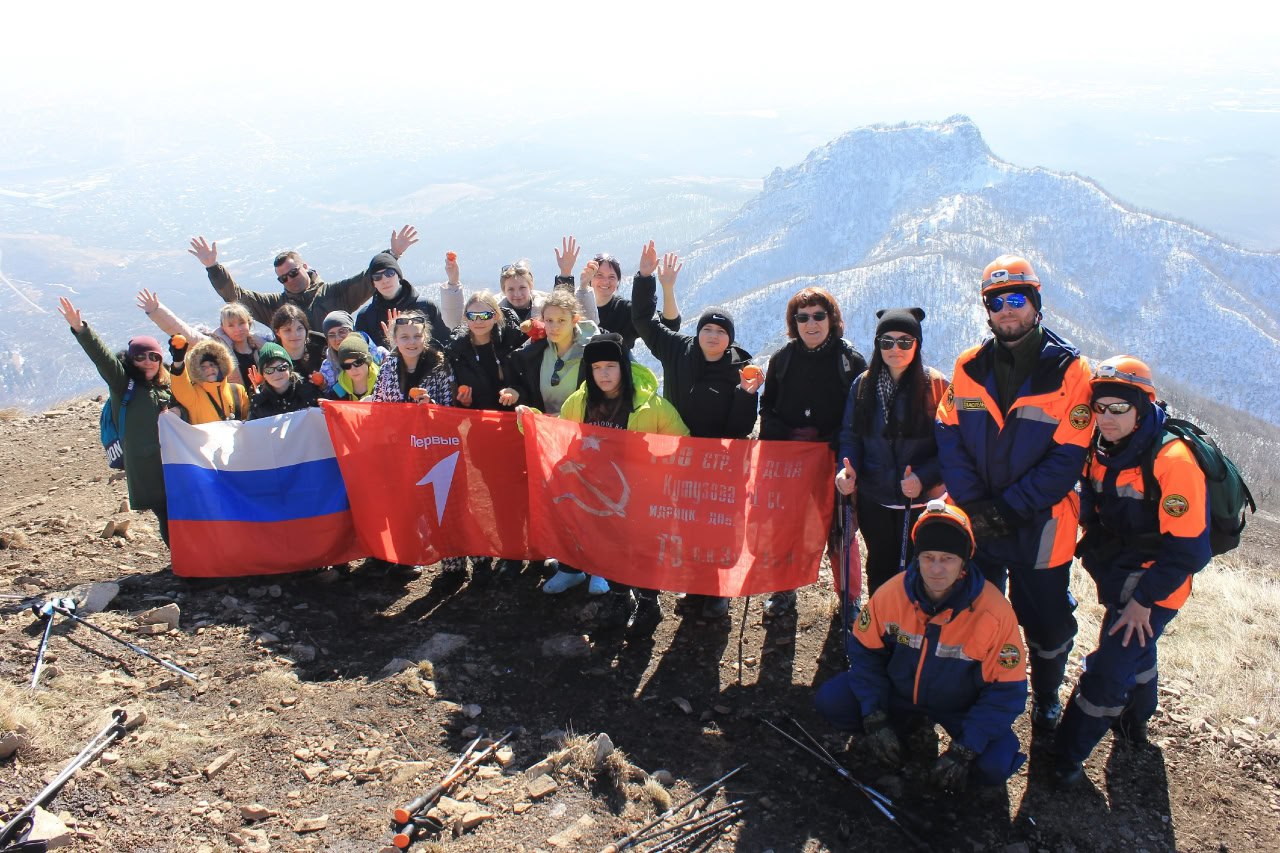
275,367
996,304
1112,408
480,315
146,356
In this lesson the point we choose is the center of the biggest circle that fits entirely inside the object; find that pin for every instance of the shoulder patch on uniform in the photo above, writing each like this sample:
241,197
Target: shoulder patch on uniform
973,404
1175,505
1009,656
950,400
864,619
1080,416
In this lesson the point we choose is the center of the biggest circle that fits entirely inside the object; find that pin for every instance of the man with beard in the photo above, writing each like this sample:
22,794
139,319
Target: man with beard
1013,433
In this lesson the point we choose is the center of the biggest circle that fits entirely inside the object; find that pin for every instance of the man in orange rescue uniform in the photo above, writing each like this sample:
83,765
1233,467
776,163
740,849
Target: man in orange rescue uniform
1013,432
936,644
1141,547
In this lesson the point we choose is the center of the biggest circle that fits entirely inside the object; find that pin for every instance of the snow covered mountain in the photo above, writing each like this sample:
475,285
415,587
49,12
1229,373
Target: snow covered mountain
910,214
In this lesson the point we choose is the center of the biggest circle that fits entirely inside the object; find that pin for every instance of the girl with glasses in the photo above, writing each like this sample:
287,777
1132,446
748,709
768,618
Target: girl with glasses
806,386
140,391
359,370
887,455
280,389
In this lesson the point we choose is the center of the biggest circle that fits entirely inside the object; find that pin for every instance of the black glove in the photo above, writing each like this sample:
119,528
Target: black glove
991,519
881,739
176,352
951,770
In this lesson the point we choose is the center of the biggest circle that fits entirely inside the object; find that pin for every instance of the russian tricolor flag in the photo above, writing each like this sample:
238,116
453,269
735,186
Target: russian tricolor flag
253,498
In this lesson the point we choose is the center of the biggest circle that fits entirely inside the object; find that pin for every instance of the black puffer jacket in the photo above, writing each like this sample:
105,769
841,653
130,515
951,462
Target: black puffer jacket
300,395
487,369
373,314
706,394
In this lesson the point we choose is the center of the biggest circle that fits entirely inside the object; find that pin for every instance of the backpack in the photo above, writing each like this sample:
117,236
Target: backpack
112,435
851,362
1227,492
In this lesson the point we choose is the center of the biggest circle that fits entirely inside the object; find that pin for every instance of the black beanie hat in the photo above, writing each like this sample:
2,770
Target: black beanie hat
385,261
1123,390
605,346
720,317
940,534
905,320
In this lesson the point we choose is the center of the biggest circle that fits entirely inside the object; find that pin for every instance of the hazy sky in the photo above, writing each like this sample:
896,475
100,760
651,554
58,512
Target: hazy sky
1084,87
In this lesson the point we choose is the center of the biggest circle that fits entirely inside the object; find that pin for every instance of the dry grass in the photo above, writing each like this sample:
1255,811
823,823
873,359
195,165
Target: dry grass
1223,649
658,796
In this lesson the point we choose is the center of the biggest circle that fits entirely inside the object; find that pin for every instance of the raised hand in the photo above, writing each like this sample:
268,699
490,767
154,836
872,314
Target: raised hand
589,271
148,301
910,484
451,268
846,478
255,377
390,324
71,314
670,268
648,259
567,255
404,238
204,253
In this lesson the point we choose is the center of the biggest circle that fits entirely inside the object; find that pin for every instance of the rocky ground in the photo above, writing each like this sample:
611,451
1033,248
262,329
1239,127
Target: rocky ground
326,700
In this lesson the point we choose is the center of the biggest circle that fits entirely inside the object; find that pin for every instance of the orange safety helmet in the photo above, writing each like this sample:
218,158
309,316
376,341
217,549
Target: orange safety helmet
1125,370
938,510
1009,271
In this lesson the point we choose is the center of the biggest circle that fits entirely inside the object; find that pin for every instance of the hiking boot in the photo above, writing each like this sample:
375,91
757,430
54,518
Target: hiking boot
1129,731
507,570
645,616
481,571
1068,774
715,607
615,611
561,581
1045,713
781,604
597,585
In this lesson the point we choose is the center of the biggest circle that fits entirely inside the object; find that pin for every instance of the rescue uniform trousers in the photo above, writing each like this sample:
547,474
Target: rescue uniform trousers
1119,683
1046,611
836,702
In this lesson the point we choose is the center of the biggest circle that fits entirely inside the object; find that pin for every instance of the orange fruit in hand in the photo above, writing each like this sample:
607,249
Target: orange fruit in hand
464,389
450,256
417,393
178,341
752,373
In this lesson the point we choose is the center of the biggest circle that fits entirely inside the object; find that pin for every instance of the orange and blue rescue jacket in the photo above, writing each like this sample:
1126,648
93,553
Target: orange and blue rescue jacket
962,658
1134,546
1030,459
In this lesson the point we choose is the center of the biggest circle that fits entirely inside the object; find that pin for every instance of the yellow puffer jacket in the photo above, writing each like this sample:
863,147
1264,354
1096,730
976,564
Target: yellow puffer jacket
650,412
207,402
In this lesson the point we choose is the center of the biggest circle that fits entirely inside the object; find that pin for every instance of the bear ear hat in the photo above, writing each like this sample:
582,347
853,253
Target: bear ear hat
918,313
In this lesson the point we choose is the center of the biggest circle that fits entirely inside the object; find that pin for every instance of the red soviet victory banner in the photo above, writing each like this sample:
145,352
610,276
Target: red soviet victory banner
707,516
426,482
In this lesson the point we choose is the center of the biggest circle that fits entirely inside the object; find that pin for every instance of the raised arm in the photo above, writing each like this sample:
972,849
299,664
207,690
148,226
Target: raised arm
168,322
260,305
663,341
452,301
109,367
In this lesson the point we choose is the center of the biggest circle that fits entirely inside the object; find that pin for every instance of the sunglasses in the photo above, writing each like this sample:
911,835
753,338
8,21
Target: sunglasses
480,315
996,304
555,372
353,364
806,316
381,274
1112,408
339,334
410,321
146,356
293,273
278,367
518,268
887,343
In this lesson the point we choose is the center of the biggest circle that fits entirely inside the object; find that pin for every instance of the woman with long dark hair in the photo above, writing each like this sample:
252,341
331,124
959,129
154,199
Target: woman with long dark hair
887,453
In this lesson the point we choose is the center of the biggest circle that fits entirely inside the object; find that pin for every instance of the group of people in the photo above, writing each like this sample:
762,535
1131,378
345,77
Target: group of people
964,489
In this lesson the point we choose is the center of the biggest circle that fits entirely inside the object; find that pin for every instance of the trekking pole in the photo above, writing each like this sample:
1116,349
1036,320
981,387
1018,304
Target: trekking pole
737,806
627,841
705,827
879,801
45,612
17,829
847,543
411,817
172,667
742,633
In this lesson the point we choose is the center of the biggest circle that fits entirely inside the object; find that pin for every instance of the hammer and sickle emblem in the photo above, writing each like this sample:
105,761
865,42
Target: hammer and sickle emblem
607,505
